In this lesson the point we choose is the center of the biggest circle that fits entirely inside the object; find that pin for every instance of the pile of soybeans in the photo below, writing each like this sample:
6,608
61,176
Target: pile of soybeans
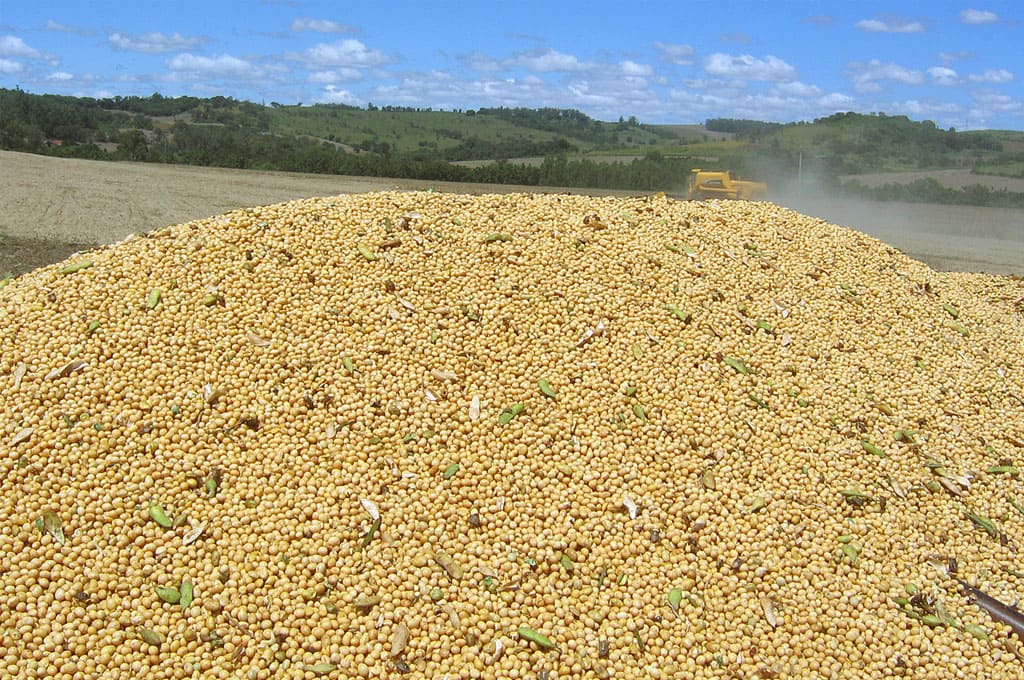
508,436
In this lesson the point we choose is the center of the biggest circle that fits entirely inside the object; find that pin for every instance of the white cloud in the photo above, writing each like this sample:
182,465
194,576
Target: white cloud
52,25
153,43
890,25
320,26
795,88
673,53
631,68
988,102
13,46
223,65
332,95
586,95
760,106
348,52
478,61
960,55
836,101
943,75
993,76
739,38
547,61
977,17
866,77
10,67
60,76
747,67
338,75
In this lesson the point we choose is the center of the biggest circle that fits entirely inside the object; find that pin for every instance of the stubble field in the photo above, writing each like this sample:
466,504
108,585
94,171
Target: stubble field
51,208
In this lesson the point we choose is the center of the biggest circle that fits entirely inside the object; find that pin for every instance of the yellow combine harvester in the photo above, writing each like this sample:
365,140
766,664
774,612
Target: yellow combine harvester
714,184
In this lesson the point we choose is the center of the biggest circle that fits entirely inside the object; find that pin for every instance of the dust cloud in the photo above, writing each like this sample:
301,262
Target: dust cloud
946,237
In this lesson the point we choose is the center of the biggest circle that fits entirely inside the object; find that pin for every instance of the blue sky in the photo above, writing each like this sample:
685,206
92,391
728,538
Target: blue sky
960,64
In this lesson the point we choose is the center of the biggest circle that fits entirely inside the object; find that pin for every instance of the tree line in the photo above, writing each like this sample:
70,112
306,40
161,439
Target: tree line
224,132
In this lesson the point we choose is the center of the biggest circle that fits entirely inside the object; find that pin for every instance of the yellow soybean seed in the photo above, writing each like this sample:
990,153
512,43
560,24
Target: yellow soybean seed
376,467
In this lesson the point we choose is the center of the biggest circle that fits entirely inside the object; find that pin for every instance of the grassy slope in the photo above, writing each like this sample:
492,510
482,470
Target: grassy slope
412,131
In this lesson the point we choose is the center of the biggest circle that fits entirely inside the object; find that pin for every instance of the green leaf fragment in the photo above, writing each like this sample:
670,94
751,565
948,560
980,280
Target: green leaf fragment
53,526
370,534
852,552
675,598
321,668
546,389
154,298
761,403
365,251
985,523
951,310
567,563
366,602
151,636
509,413
93,327
977,632
906,436
640,412
683,316
348,364
1016,506
497,236
169,594
76,267
873,449
1003,470
450,471
737,365
187,593
530,635
157,514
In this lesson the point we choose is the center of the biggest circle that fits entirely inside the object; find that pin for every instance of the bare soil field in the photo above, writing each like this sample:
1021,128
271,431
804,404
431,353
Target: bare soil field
50,208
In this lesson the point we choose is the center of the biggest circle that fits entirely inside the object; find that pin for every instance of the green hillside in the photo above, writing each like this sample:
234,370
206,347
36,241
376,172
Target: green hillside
568,147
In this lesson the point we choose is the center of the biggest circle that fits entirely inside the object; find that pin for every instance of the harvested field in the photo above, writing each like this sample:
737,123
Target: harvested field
508,436
55,206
